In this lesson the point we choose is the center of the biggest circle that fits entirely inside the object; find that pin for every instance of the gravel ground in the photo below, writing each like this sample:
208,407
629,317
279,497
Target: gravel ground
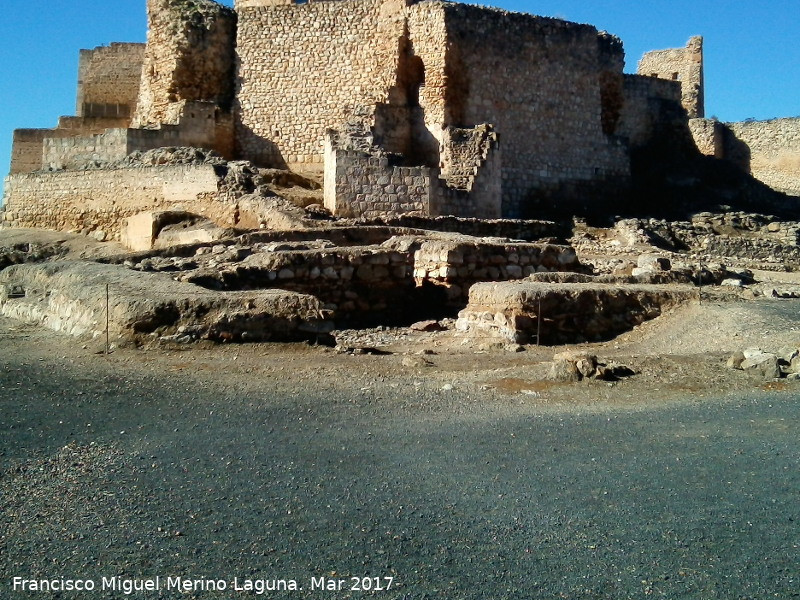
468,478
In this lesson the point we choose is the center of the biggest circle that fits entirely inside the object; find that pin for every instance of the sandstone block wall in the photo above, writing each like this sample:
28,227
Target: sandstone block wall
108,80
537,81
100,200
459,265
680,64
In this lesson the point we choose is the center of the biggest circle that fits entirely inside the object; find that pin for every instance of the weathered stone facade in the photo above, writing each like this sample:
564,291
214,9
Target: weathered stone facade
108,80
406,107
190,57
684,65
768,150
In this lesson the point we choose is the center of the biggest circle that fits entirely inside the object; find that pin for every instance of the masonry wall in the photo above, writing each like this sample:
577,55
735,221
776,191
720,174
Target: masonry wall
317,66
537,81
190,57
100,200
769,150
651,105
680,64
108,80
361,185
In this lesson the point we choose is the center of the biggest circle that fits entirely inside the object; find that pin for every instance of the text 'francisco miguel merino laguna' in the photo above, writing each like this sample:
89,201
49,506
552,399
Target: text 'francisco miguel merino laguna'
184,584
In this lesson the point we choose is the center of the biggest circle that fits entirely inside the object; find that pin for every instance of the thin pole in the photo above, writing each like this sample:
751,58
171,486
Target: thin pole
107,318
539,323
700,283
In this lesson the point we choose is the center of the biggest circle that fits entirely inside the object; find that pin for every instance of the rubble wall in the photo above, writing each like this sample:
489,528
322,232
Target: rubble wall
190,57
108,80
100,200
318,63
650,103
680,64
537,81
769,150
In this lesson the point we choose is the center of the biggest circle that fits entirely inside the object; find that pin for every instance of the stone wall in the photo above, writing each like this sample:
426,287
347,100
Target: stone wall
769,150
537,81
26,150
680,64
458,265
200,125
650,104
108,80
190,57
708,135
99,201
320,62
364,185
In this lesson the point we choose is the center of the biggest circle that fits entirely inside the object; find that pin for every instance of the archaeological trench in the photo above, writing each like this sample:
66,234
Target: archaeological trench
414,174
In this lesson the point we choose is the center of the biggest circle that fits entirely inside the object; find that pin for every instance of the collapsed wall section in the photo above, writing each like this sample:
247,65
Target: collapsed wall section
537,81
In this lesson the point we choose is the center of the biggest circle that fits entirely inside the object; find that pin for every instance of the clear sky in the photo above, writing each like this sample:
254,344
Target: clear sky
752,49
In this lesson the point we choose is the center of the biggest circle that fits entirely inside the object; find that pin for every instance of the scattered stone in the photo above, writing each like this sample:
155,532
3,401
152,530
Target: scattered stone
760,363
427,326
416,362
563,371
736,360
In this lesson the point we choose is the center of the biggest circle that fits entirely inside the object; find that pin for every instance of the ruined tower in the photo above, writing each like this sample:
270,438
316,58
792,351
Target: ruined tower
680,64
190,57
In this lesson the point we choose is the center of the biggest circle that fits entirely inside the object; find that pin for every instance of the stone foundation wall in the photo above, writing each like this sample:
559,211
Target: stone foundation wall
459,265
563,313
108,80
99,201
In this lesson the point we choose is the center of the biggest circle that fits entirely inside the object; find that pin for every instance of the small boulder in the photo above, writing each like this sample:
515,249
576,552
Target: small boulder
736,360
563,371
427,326
762,364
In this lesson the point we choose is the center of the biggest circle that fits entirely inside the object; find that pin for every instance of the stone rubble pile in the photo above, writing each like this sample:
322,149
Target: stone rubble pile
767,365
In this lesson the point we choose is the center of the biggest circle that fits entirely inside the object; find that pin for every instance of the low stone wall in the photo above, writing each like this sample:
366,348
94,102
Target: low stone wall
514,229
563,313
405,279
98,201
458,265
360,286
360,185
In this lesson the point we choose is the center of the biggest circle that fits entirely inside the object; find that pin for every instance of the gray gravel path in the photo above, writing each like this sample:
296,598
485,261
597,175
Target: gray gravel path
136,469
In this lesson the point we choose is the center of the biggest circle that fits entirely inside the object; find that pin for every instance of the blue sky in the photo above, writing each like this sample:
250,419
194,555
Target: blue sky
752,49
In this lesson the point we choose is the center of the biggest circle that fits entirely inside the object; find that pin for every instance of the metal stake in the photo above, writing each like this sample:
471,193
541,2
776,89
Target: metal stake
107,319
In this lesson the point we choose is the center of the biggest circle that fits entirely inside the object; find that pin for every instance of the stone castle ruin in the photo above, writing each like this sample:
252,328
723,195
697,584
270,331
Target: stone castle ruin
399,107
